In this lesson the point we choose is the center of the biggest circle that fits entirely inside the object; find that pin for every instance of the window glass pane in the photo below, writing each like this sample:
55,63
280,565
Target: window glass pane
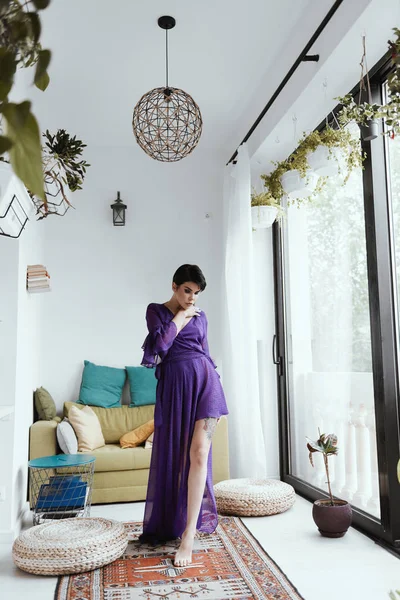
330,374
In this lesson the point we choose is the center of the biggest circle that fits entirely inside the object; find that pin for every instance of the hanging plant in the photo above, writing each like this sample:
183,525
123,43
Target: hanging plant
342,149
265,210
63,169
20,47
265,198
366,114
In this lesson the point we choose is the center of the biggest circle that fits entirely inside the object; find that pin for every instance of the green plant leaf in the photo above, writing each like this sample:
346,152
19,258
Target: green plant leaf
35,25
26,152
40,4
42,78
8,66
5,144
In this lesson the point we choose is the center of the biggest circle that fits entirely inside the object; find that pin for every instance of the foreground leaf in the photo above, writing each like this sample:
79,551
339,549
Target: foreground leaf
41,4
5,144
8,66
26,152
42,78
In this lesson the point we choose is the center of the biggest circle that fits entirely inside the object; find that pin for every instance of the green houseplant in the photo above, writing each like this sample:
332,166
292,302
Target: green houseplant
265,209
332,517
365,113
63,169
332,151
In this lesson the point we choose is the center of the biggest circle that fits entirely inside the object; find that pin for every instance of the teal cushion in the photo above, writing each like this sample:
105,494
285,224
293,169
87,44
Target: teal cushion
101,386
142,383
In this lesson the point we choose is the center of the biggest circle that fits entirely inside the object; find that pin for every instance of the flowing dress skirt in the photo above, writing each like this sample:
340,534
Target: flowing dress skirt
188,390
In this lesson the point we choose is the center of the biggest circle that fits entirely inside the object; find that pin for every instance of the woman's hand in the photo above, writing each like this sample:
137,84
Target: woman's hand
193,311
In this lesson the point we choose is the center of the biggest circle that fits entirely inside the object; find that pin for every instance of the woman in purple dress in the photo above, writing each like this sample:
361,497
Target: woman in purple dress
190,400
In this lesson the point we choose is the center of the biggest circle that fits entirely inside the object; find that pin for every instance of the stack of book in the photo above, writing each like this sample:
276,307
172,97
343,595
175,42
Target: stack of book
37,279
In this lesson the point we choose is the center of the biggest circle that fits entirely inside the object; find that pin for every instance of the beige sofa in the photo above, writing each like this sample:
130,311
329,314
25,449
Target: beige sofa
121,475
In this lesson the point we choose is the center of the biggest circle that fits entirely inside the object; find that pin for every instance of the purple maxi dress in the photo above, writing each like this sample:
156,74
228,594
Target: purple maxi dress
188,389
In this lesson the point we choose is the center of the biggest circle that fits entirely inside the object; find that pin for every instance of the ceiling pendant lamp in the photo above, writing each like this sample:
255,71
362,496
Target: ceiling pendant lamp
166,121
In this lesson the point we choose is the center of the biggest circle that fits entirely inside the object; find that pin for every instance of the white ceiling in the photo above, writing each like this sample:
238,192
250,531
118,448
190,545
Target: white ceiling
107,54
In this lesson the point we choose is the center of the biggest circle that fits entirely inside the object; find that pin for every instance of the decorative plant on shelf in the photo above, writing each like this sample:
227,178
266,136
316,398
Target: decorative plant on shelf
20,30
333,516
62,168
394,595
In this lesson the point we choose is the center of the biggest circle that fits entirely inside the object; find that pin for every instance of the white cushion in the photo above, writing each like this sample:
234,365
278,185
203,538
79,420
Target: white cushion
66,437
87,428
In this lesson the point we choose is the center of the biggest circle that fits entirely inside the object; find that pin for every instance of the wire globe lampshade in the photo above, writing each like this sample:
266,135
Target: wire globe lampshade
167,124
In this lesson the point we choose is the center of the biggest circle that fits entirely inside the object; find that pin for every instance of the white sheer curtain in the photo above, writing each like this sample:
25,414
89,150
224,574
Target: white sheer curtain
240,369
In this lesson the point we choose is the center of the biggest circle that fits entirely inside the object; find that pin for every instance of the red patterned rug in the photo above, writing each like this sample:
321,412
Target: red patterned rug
228,564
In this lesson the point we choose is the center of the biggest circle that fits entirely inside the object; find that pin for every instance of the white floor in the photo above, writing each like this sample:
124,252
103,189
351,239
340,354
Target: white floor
350,568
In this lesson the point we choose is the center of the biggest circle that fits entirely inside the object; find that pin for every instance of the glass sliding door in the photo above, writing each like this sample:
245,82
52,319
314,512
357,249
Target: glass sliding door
329,341
337,287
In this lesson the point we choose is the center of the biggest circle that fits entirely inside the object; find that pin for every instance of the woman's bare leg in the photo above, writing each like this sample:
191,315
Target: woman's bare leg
199,450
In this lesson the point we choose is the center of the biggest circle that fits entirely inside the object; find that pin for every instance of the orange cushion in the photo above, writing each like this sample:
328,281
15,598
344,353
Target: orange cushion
137,436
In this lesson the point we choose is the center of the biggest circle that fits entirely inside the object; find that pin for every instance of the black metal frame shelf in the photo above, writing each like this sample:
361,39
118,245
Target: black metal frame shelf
11,207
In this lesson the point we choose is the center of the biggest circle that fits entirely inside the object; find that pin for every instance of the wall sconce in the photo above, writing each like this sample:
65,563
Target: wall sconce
118,208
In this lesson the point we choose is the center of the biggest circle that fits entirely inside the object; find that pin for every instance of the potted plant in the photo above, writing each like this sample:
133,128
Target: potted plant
365,114
63,169
332,516
292,177
265,210
331,152
298,181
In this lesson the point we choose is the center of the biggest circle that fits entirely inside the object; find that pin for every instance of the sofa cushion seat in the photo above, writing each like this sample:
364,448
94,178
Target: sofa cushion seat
112,457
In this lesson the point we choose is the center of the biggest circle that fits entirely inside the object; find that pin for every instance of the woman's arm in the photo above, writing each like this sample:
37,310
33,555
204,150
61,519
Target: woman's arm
161,335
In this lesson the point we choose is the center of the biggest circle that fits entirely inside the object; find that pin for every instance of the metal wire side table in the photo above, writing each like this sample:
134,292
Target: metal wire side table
60,486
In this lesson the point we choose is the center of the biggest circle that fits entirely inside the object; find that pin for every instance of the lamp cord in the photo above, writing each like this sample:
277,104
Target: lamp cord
166,55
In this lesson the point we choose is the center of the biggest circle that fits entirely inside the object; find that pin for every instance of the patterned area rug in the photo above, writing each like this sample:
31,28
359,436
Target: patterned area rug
228,564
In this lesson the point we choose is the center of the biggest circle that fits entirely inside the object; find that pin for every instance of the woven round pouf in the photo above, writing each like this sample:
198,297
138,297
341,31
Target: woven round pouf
69,546
253,497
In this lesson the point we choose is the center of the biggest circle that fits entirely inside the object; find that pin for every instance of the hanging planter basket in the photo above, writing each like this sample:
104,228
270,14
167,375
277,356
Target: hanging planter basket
263,217
296,186
326,162
370,130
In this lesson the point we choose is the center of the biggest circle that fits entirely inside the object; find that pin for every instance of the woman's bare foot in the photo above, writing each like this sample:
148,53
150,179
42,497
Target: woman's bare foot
183,557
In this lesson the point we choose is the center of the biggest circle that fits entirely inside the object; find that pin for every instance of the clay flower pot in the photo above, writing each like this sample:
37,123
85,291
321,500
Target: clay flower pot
332,521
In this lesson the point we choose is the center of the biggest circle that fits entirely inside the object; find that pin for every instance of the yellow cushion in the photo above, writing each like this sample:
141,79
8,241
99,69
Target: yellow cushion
87,428
114,458
137,436
117,421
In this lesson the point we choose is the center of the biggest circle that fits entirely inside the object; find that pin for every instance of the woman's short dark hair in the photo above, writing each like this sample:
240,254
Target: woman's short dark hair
190,273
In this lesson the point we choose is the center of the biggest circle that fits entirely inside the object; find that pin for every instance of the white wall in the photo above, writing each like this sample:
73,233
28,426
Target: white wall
27,363
103,276
8,354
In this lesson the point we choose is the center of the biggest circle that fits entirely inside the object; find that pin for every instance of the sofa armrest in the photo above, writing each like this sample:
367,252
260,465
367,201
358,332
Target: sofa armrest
43,439
220,451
